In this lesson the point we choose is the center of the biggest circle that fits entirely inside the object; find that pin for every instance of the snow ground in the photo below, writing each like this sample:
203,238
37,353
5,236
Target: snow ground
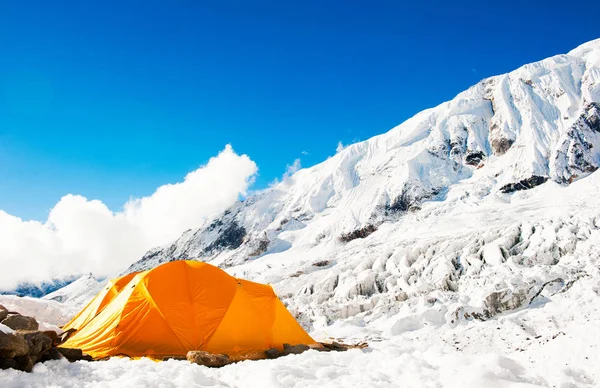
546,346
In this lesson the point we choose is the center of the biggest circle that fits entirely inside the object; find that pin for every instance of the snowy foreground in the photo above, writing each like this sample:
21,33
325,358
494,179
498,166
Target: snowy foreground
554,344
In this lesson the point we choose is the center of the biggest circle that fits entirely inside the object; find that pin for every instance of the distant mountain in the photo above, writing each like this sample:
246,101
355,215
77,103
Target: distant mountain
78,291
39,290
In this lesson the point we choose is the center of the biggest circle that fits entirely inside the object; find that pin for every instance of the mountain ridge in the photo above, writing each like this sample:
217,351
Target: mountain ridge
536,118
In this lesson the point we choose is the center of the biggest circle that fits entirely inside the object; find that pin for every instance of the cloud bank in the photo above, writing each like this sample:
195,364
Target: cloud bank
83,235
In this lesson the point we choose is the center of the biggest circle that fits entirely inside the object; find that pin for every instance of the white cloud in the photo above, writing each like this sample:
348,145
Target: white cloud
83,235
340,147
292,169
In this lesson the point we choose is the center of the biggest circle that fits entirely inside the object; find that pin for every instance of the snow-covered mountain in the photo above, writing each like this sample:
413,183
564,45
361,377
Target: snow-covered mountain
77,292
436,205
39,290
463,245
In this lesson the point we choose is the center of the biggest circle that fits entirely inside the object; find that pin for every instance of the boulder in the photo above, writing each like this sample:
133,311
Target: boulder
12,345
8,363
24,363
20,322
207,359
73,355
3,313
38,343
273,353
294,349
500,301
52,335
52,354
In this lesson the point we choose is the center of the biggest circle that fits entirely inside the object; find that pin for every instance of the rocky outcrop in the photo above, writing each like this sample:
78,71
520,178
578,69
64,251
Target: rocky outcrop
524,184
578,152
230,236
25,346
498,302
358,233
501,145
3,313
474,158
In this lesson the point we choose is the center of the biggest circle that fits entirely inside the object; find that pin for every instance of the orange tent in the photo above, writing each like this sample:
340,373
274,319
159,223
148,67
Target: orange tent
100,301
188,305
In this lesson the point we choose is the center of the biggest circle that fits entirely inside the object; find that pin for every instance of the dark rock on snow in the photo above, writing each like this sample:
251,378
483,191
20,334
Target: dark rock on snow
498,302
12,345
524,184
24,363
27,346
294,349
273,353
52,354
8,363
474,158
20,322
74,354
38,342
207,359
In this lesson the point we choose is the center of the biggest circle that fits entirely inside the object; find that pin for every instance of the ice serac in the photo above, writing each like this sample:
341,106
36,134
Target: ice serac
491,192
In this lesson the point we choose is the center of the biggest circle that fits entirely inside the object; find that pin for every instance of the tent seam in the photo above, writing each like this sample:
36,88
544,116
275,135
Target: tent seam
149,296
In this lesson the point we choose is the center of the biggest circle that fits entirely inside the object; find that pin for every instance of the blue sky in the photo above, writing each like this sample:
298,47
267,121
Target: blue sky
111,99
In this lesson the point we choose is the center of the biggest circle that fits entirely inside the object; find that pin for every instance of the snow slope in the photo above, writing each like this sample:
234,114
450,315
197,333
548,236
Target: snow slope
463,245
443,203
77,292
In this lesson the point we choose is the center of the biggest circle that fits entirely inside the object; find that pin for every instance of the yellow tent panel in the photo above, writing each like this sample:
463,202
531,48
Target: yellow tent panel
97,304
187,305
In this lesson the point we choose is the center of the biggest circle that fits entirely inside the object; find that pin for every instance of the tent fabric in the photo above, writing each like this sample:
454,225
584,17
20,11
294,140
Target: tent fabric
182,306
100,301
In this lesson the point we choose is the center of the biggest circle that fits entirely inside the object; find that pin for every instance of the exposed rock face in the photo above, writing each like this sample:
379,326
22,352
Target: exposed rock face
358,233
578,153
20,322
262,246
474,158
207,359
230,237
524,184
498,302
501,146
223,234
